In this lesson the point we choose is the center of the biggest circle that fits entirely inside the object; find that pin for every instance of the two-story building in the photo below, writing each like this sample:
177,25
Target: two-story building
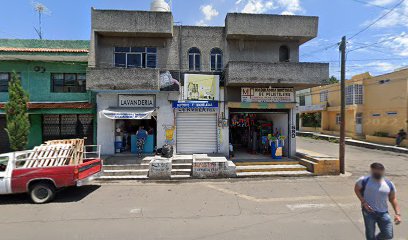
237,82
54,75
376,106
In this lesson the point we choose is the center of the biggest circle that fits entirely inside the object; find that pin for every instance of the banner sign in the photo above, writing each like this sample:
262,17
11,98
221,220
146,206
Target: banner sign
201,87
267,95
312,108
136,101
195,104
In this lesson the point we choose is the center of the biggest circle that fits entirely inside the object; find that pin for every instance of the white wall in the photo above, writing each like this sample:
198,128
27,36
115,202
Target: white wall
106,127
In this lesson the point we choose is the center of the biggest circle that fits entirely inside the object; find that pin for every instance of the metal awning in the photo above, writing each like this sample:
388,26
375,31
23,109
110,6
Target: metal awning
128,113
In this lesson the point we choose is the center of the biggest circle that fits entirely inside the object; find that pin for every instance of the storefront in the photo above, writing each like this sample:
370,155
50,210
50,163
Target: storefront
196,123
262,123
120,116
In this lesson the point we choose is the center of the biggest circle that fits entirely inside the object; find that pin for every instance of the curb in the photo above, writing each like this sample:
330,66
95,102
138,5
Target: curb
356,143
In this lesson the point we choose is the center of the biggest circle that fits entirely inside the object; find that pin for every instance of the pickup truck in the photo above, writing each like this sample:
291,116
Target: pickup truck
42,182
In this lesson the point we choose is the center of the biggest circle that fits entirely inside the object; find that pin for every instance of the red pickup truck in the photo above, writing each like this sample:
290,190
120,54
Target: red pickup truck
16,176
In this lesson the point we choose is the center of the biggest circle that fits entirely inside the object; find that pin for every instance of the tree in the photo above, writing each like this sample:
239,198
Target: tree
18,124
332,80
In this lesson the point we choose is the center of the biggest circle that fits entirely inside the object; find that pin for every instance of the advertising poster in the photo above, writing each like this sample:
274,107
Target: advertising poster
201,87
267,95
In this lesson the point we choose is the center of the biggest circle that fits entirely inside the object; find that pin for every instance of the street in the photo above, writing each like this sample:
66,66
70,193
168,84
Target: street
270,208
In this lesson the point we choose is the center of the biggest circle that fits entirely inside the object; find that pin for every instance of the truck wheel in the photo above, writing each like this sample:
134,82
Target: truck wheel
42,193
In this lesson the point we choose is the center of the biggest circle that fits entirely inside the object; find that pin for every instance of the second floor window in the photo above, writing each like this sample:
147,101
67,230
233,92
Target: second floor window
324,96
68,82
284,55
216,59
194,59
338,119
4,81
135,57
5,78
354,94
302,100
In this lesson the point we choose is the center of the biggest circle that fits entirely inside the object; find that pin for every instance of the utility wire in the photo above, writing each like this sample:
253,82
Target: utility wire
377,20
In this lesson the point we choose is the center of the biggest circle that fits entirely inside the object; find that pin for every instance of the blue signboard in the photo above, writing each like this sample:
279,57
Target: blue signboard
195,104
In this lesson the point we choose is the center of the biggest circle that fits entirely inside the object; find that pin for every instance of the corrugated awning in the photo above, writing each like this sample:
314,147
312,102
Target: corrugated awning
128,113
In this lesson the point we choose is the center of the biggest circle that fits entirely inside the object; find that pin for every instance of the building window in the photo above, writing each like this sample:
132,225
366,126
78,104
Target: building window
324,96
284,54
194,59
354,94
392,114
359,118
216,59
68,82
4,81
302,100
5,78
67,126
135,57
338,119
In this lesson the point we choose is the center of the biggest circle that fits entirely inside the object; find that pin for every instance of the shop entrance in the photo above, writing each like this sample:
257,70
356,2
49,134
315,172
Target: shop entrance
252,132
125,135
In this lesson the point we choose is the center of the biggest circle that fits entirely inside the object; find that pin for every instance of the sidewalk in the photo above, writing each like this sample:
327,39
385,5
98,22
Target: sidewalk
354,142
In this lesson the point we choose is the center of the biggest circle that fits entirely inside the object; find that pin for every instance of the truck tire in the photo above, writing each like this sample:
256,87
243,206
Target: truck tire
42,192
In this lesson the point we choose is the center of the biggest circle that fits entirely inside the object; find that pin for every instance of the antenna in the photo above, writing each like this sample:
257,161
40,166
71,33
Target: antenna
41,9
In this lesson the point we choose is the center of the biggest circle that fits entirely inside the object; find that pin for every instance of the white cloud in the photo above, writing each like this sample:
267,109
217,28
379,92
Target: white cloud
382,2
397,17
288,7
397,44
380,66
209,13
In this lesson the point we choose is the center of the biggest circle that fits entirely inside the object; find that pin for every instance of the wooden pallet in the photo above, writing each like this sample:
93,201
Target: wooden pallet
56,153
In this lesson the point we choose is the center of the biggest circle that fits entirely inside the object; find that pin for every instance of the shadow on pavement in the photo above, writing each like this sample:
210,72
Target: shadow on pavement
65,195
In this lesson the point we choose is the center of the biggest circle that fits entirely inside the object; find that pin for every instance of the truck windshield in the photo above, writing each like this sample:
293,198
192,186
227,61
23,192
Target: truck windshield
3,163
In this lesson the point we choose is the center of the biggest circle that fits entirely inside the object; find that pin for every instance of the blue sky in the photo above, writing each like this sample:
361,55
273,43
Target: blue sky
387,39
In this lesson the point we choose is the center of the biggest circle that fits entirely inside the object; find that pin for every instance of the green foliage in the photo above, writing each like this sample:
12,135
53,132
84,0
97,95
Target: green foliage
311,119
332,80
18,124
381,134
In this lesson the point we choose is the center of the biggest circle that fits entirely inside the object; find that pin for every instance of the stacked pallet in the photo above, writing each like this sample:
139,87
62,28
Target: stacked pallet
56,153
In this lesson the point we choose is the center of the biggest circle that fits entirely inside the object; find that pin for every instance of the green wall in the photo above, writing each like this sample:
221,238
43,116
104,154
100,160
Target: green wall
38,84
35,137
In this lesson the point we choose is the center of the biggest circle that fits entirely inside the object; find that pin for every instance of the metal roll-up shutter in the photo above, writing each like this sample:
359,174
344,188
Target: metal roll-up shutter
196,132
4,140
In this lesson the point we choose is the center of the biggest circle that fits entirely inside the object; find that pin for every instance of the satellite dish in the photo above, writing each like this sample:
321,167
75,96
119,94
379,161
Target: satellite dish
159,6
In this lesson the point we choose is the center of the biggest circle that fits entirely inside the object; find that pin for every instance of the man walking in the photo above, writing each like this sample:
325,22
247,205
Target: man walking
374,191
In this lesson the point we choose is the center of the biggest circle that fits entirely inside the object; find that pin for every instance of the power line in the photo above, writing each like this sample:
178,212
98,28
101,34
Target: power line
377,20
379,42
378,6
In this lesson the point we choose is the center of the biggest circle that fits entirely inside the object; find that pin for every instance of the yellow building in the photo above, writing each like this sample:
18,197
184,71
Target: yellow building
376,107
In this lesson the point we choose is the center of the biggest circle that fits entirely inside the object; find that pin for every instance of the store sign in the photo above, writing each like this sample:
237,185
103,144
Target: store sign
136,101
195,106
201,87
312,108
267,95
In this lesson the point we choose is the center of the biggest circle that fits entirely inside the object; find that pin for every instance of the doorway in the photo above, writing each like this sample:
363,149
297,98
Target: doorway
125,135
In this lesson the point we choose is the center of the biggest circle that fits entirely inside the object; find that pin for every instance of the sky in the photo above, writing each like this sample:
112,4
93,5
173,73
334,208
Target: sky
376,29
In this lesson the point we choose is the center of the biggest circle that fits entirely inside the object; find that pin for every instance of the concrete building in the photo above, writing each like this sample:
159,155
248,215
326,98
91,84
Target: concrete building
246,71
54,75
376,107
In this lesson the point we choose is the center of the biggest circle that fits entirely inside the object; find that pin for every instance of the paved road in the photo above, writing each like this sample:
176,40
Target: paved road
288,208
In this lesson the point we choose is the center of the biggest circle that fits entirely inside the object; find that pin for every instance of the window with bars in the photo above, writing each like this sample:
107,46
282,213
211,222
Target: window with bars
216,59
338,118
66,126
354,94
324,96
359,118
194,59
5,78
135,57
68,82
302,101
